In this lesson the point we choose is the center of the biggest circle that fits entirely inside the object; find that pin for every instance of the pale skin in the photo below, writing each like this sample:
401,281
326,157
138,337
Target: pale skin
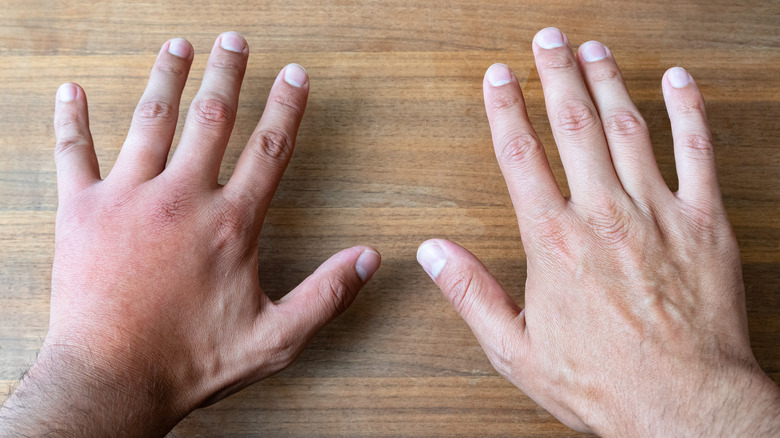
634,321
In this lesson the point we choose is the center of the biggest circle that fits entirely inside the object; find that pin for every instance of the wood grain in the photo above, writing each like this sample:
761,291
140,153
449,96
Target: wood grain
394,149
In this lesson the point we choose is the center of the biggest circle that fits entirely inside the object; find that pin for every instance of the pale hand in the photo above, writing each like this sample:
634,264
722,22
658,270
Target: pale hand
634,321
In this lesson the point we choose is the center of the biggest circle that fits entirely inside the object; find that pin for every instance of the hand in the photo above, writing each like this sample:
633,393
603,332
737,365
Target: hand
634,321
156,305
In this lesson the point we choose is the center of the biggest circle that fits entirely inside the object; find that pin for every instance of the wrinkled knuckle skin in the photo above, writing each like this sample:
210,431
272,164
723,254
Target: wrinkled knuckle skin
460,285
503,100
229,65
67,145
698,146
707,225
272,146
170,68
691,106
335,293
155,111
287,102
553,233
518,151
502,356
212,112
575,118
232,223
605,75
66,120
283,349
610,221
624,124
558,62
169,210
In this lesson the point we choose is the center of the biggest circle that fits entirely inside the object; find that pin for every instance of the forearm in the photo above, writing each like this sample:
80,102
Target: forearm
62,395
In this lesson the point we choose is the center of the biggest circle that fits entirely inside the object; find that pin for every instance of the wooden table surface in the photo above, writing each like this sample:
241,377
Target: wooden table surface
394,149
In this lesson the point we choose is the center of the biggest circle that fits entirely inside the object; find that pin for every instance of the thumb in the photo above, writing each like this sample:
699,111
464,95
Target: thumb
494,317
330,290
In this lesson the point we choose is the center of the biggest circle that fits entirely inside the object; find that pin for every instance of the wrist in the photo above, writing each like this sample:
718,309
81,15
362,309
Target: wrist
71,390
745,402
737,400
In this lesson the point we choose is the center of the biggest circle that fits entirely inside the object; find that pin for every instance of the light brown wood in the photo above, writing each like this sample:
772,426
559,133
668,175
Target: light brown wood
394,149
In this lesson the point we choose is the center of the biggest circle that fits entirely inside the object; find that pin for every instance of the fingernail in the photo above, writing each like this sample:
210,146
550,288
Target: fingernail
678,77
67,92
498,75
431,258
179,47
295,75
367,264
549,38
593,51
233,42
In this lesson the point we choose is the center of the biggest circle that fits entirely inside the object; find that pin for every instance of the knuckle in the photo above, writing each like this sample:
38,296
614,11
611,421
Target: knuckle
606,74
74,217
233,224
66,145
559,62
67,120
272,146
155,111
698,146
705,222
335,294
576,117
283,348
610,221
690,106
213,111
519,150
503,356
170,209
288,103
624,124
553,233
229,65
461,285
170,68
503,99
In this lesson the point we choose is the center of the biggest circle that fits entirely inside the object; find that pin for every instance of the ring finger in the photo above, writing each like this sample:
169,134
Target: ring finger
625,129
145,151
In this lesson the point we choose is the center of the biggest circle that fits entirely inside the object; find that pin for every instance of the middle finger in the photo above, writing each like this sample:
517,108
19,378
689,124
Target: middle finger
213,112
573,118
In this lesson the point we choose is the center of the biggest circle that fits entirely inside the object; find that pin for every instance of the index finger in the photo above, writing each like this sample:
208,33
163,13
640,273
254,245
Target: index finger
530,181
268,151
